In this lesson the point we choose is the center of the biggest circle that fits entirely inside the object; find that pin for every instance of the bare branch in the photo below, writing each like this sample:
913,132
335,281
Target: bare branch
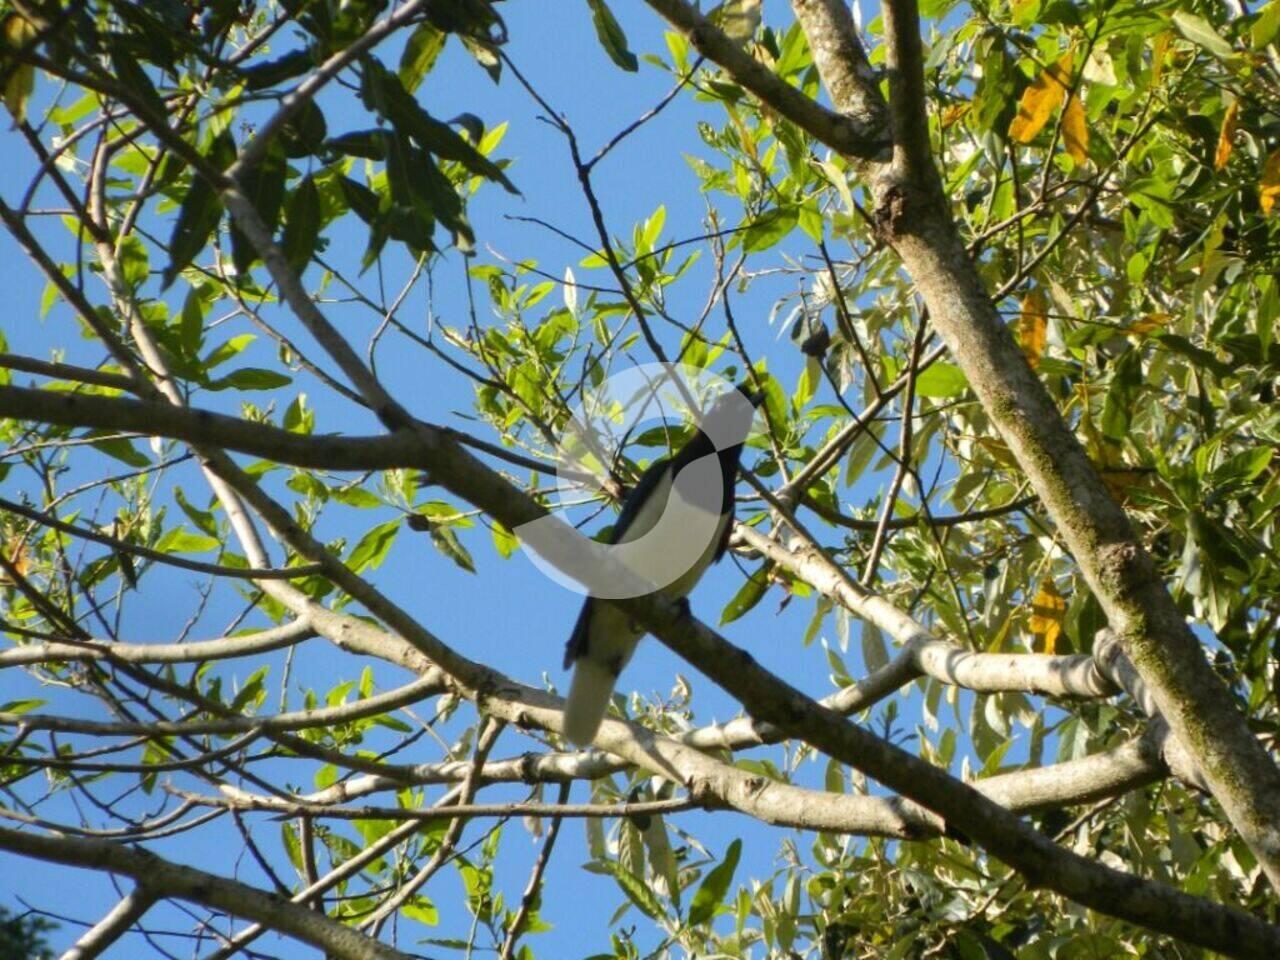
160,877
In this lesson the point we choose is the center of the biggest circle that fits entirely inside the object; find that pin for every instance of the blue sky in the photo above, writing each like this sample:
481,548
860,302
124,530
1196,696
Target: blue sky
508,614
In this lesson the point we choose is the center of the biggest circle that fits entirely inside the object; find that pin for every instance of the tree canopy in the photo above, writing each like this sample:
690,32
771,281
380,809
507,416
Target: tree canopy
296,336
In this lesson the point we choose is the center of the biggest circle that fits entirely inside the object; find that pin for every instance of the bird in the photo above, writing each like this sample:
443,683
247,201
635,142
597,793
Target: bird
685,495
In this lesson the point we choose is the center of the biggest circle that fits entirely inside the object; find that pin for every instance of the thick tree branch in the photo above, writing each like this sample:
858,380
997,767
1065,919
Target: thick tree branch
854,133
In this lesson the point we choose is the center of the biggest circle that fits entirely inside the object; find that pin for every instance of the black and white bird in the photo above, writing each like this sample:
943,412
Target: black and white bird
676,520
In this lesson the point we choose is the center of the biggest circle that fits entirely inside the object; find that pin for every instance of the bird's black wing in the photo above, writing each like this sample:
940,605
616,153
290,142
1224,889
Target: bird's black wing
648,482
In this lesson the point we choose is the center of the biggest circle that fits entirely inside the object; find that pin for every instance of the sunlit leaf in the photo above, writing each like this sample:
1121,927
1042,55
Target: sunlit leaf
200,212
714,886
1226,135
611,36
1075,130
1047,610
1041,99
1269,185
1033,326
1201,32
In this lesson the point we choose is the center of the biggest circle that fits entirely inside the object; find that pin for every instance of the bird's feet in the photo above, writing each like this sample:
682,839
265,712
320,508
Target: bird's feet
685,612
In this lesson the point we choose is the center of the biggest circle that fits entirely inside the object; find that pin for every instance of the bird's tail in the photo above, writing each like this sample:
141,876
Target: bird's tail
588,700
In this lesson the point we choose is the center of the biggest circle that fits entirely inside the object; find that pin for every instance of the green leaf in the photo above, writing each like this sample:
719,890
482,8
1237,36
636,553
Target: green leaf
637,891
504,541
422,910
263,185
361,199
748,595
1202,357
611,36
1267,25
224,352
181,540
1201,32
269,73
191,323
252,692
715,885
301,225
373,547
447,542
135,80
941,381
198,217
383,92
250,378
123,450
201,518
133,261
769,229
304,132
420,54
357,497
1117,409
299,418
370,144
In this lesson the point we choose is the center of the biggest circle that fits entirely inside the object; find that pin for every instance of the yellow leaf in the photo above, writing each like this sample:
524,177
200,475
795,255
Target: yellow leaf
17,550
1149,322
1040,100
1158,51
953,113
1033,326
17,32
1047,610
1269,185
1225,135
1075,130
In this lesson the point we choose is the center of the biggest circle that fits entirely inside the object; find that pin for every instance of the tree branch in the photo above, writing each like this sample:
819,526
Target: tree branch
160,877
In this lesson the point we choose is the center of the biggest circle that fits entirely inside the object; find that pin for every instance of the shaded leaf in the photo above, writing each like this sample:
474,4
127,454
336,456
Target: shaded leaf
18,31
446,541
200,212
714,886
260,76
263,184
611,36
250,378
301,225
